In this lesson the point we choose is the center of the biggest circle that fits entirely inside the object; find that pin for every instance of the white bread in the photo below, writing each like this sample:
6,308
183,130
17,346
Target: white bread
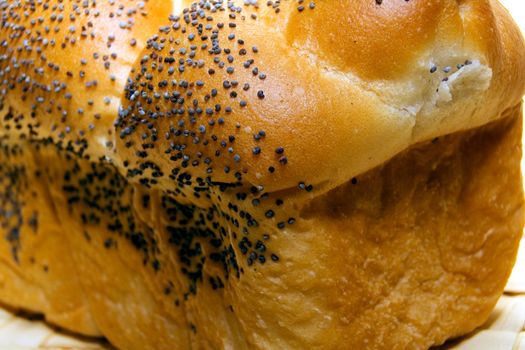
376,230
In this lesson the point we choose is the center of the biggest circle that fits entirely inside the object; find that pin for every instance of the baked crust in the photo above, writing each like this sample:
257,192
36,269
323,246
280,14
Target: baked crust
356,186
404,256
345,88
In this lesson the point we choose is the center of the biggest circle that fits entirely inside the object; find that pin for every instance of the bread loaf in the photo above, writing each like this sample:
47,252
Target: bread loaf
248,174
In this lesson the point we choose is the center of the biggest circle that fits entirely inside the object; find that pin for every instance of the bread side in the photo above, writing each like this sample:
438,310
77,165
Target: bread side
404,256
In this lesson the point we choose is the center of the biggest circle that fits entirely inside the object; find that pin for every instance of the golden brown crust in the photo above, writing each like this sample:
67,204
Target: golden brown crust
352,79
428,231
65,65
37,271
314,105
412,253
211,185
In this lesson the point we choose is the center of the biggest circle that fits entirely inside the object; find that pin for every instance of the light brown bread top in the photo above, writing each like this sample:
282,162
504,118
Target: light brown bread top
270,94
